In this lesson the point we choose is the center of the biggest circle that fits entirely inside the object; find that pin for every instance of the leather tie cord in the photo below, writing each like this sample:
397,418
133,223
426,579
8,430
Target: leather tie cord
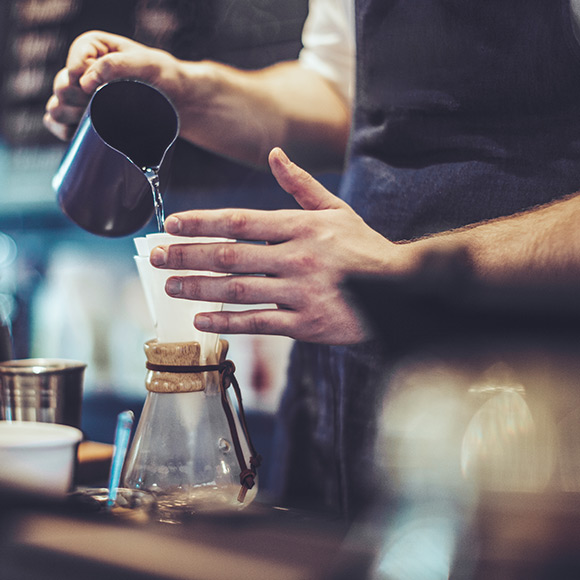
226,371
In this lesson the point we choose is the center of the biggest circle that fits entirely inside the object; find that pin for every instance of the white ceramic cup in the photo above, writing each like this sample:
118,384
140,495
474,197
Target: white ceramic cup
38,458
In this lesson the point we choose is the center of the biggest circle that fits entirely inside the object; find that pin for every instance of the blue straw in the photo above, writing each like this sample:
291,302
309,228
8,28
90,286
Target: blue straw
122,435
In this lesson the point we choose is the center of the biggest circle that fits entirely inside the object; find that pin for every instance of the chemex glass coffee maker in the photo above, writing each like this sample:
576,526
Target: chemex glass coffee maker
477,452
191,448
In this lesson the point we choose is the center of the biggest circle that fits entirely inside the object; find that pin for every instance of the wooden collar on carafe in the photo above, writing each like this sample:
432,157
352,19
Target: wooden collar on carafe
174,367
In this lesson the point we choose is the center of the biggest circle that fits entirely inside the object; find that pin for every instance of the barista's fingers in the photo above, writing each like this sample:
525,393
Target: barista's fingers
267,321
306,190
150,65
68,91
232,223
62,113
100,72
89,47
271,226
240,258
59,130
65,107
231,289
280,321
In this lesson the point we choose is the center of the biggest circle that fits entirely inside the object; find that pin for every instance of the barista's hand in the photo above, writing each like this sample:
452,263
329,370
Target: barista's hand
95,58
307,256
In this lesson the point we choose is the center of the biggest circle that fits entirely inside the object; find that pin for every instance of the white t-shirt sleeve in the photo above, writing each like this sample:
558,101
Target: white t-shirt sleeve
329,43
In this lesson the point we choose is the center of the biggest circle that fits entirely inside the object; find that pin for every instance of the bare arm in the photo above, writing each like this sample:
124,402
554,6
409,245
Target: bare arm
541,244
239,114
244,114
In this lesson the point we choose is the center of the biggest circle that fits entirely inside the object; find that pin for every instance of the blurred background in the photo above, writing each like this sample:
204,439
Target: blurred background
478,453
69,294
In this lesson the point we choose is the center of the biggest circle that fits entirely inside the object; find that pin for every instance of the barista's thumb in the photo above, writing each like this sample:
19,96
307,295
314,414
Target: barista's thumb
308,192
114,66
99,73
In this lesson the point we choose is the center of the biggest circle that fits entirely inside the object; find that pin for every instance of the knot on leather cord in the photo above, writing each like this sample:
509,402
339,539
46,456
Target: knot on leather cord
247,477
226,371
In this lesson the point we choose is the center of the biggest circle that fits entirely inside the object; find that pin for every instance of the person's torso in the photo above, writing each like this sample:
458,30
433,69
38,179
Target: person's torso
465,111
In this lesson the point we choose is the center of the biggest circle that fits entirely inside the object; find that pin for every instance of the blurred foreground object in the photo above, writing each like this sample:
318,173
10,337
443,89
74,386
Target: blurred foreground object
5,342
479,436
259,543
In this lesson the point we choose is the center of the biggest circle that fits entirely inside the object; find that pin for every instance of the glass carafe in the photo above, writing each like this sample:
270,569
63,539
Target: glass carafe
191,448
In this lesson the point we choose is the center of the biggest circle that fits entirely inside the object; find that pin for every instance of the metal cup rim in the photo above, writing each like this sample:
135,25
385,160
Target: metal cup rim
37,366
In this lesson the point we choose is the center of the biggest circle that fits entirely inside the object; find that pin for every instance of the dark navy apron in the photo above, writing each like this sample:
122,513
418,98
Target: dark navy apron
465,110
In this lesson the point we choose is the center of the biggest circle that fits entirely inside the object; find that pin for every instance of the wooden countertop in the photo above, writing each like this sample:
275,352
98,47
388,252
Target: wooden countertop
93,463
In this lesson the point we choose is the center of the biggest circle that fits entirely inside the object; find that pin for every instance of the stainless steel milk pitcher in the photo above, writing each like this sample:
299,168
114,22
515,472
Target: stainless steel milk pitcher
128,126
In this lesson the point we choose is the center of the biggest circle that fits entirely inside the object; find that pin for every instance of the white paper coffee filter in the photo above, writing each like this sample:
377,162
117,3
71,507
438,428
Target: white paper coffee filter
163,239
143,266
173,317
142,246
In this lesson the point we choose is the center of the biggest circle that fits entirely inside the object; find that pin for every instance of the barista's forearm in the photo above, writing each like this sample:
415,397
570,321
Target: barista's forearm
244,114
542,244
